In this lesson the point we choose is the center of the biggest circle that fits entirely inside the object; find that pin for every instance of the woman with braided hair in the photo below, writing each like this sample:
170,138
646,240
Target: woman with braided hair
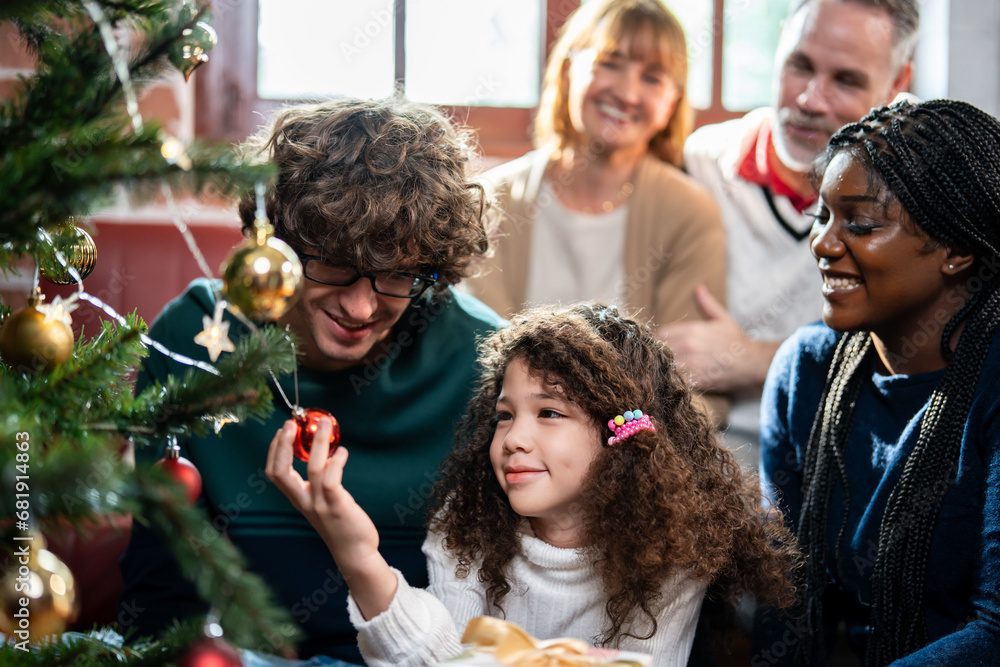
881,426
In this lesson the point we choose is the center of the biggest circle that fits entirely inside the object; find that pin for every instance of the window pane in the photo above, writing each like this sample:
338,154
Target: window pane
696,18
751,38
482,53
310,48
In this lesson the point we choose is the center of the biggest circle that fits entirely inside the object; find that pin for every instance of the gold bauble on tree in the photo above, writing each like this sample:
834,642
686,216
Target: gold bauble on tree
82,256
37,594
29,343
191,51
262,277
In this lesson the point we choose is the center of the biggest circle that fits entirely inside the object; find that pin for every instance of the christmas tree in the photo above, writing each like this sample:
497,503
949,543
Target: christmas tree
71,141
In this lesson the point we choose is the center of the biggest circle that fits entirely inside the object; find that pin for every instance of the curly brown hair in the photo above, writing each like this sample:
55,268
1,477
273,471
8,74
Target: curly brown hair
602,24
662,503
376,184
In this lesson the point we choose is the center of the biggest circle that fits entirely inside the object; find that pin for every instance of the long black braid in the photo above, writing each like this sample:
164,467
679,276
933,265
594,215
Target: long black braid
940,160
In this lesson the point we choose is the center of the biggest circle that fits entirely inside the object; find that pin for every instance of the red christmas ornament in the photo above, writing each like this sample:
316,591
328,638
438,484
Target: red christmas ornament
308,421
210,653
182,471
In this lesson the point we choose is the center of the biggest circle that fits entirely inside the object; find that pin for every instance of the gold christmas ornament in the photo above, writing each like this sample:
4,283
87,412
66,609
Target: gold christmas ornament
191,51
82,256
37,594
29,343
262,277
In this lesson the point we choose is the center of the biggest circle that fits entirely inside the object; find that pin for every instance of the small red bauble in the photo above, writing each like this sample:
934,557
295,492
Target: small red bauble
210,653
183,472
308,421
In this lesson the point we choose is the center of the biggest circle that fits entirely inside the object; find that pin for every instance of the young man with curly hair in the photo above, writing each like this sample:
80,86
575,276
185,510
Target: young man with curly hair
373,197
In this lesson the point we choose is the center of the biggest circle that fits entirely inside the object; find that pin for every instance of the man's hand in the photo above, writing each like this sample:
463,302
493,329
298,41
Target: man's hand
345,527
718,355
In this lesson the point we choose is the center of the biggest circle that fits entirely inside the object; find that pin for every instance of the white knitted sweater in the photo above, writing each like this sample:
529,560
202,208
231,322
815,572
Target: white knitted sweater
557,594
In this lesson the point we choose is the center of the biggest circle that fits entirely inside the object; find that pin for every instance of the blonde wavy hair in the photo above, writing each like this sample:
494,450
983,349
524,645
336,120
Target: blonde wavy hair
602,24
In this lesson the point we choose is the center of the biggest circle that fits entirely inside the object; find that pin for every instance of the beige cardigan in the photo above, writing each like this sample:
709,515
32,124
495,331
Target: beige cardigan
674,240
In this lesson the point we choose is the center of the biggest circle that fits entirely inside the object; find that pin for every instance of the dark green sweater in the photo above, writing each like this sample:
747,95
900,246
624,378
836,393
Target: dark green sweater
397,415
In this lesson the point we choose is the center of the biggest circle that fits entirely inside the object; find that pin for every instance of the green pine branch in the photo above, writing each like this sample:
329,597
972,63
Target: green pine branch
66,141
92,384
35,12
75,441
244,604
75,480
78,652
242,389
84,650
67,145
98,370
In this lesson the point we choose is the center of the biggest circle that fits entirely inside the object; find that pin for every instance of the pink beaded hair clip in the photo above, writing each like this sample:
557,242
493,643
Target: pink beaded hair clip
628,424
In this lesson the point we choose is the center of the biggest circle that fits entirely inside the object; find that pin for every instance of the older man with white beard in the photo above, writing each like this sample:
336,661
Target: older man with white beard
836,59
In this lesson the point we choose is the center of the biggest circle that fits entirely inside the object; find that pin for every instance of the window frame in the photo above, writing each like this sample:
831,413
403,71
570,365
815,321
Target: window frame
715,112
228,108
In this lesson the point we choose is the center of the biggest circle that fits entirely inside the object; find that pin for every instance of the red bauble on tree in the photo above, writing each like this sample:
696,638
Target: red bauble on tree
210,653
182,471
308,422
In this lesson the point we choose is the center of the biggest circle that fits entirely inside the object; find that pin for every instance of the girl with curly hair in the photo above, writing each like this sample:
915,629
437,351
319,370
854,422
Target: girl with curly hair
553,517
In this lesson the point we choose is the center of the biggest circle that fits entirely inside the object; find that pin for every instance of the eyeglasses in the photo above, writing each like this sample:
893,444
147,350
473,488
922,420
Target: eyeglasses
400,285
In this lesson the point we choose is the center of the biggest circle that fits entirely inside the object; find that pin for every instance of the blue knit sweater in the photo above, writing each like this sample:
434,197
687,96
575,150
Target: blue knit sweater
963,571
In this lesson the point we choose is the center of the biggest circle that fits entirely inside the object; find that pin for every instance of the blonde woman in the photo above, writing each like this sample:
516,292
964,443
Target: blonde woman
600,211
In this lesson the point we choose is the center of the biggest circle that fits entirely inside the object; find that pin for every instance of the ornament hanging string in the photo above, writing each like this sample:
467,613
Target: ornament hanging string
199,257
117,60
307,419
295,381
132,106
185,231
192,244
261,213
